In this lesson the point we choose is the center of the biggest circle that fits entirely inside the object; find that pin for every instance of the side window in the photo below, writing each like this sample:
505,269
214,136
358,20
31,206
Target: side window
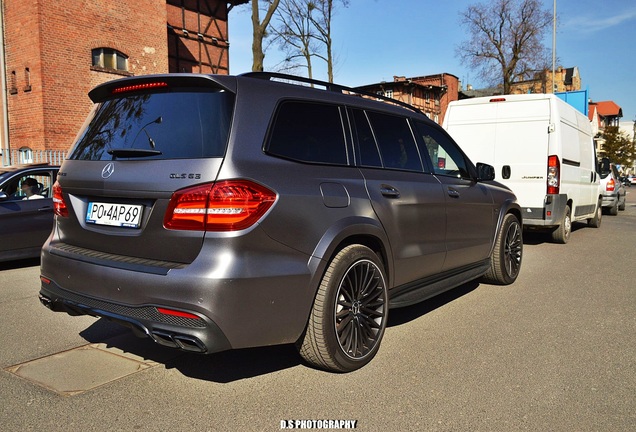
444,154
368,155
308,132
396,143
35,185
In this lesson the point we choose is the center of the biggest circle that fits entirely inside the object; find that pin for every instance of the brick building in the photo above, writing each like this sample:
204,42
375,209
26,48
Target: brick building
430,93
55,51
565,80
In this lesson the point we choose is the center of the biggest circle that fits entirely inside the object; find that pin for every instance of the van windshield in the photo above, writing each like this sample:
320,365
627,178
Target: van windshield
175,125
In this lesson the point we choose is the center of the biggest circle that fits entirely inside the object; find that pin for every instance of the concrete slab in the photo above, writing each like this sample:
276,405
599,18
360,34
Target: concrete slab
78,370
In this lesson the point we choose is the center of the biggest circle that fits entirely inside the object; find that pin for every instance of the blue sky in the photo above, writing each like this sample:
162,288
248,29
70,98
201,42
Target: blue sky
377,39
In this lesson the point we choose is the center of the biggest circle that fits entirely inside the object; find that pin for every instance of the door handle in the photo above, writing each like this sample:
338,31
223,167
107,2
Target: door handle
453,193
389,191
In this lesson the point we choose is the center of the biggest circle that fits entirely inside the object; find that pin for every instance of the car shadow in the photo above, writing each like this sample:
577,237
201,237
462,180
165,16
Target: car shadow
234,365
537,237
407,314
222,367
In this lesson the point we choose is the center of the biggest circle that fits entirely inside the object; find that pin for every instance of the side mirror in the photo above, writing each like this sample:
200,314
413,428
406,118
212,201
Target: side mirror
485,172
3,196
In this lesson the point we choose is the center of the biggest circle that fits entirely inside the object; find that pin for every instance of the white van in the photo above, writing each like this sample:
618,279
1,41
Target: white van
541,148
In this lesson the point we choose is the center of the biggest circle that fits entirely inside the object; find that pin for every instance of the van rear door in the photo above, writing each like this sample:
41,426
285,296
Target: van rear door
511,135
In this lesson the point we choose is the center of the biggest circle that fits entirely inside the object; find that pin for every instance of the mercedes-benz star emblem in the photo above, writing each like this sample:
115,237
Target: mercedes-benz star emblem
108,170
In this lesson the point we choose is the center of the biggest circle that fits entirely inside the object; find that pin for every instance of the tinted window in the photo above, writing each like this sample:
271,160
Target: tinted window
444,154
367,149
308,132
396,143
177,124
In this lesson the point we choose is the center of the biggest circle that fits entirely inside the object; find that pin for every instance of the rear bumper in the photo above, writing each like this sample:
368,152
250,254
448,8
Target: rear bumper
195,335
241,297
610,199
550,215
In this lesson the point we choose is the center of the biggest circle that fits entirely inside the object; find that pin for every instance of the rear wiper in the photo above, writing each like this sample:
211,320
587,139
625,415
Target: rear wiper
133,153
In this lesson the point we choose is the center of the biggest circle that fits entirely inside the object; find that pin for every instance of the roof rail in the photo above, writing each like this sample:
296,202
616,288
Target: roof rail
328,86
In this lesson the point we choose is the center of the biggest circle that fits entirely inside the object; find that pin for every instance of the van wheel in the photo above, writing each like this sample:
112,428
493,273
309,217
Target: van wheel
595,222
562,233
350,312
505,262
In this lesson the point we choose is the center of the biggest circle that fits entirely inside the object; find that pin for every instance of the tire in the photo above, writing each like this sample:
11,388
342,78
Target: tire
505,262
562,233
349,314
621,207
595,222
614,209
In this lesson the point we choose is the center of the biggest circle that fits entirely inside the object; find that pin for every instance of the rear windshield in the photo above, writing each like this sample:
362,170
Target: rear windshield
175,125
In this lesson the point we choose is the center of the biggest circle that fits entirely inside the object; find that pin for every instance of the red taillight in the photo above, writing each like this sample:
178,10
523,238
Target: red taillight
224,206
59,205
611,185
553,175
177,313
138,87
497,100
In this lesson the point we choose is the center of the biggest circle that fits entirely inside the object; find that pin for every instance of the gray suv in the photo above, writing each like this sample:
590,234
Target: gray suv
220,212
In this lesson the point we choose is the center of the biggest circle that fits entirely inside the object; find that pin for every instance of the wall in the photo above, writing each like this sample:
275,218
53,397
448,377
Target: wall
53,40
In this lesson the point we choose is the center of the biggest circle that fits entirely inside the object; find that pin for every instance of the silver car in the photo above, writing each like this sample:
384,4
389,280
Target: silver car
219,212
614,193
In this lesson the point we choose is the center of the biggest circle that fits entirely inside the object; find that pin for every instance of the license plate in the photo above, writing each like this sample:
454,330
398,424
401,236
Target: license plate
120,215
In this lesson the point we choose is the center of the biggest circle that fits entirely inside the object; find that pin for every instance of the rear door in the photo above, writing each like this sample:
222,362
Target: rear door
144,141
409,202
511,135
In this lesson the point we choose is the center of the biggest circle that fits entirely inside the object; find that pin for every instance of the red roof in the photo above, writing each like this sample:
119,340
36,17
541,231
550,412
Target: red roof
608,109
591,111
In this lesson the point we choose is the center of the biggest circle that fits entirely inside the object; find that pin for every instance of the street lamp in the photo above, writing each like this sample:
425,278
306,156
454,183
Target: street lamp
554,86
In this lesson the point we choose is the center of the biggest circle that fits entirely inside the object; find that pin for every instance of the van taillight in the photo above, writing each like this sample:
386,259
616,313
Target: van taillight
224,206
611,185
553,175
59,205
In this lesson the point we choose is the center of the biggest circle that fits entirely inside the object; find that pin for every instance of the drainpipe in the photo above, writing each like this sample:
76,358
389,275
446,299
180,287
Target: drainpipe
5,109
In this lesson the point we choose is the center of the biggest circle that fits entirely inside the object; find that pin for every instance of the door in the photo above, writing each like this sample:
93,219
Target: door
26,212
470,213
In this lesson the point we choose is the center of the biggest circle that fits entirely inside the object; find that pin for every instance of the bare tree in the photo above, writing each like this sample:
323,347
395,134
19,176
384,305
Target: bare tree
296,34
321,20
259,29
505,39
304,32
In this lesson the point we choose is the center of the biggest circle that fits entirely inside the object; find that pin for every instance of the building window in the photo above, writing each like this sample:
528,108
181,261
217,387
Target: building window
27,79
108,58
13,89
25,155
